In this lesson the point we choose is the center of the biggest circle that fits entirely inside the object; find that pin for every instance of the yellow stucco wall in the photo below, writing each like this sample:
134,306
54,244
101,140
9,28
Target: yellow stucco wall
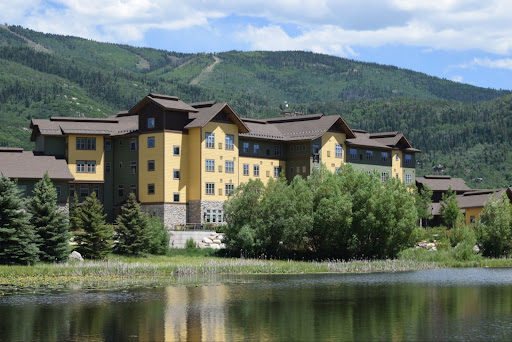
328,150
396,165
220,155
173,162
472,212
151,177
97,155
266,168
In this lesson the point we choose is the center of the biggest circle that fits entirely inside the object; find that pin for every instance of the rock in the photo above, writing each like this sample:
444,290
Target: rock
433,249
217,241
431,245
476,249
207,240
220,237
222,245
202,245
75,256
215,246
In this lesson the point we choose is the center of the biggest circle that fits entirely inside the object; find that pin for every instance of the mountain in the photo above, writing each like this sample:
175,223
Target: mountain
463,127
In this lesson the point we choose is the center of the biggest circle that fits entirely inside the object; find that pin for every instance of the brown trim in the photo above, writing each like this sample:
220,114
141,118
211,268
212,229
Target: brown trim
175,131
155,203
86,182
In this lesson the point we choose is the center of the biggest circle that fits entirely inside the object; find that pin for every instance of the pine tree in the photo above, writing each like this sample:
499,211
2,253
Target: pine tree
95,241
17,238
132,231
450,208
51,224
74,211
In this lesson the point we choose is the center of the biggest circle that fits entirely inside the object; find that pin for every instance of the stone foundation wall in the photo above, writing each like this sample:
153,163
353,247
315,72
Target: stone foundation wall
170,214
197,210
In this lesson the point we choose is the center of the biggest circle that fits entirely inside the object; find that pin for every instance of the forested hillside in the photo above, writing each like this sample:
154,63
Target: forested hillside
462,127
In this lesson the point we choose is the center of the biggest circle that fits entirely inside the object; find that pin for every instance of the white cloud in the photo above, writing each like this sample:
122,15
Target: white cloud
457,78
504,63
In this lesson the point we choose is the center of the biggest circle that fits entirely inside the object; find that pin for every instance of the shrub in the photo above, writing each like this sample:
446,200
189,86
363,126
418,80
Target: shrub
158,236
190,244
495,227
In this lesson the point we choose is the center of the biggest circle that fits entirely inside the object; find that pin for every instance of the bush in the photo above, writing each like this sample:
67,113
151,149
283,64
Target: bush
190,244
464,252
495,227
462,234
158,236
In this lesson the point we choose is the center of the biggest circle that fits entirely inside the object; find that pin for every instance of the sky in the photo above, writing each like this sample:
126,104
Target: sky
468,41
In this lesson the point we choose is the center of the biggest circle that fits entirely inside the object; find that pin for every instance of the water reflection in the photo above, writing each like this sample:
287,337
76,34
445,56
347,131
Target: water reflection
415,306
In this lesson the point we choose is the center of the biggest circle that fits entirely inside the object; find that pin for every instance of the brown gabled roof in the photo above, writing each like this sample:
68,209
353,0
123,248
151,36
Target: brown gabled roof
443,183
382,140
19,164
208,110
477,198
165,101
364,140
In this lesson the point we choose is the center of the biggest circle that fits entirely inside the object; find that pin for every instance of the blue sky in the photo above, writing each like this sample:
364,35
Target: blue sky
467,41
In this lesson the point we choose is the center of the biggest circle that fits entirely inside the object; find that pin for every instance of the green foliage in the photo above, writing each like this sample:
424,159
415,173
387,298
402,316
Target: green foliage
190,244
95,240
450,211
49,222
158,236
132,231
423,201
17,238
74,213
495,227
347,215
462,233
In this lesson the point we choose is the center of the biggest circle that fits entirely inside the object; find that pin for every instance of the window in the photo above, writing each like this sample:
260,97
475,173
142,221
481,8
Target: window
176,150
297,148
336,169
176,197
245,147
328,153
408,179
133,167
338,151
80,143
120,142
108,167
256,148
91,144
303,148
120,164
133,189
214,215
120,190
176,174
91,166
408,159
84,190
72,190
291,148
133,144
396,156
151,189
108,144
369,155
23,189
256,170
151,165
96,190
210,188
246,169
80,166
220,168
151,142
229,189
210,140
207,216
316,148
291,170
277,150
151,122
384,176
277,171
230,142
353,153
58,190
304,169
230,166
210,165
384,156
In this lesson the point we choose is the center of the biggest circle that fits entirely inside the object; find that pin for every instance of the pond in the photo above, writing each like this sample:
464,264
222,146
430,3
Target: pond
433,305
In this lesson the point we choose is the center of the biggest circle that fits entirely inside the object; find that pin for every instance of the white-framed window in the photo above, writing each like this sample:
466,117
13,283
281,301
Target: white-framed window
277,171
303,169
151,165
230,142
408,159
120,190
384,156
336,169
230,166
353,153
338,151
210,140
133,144
246,169
408,178
256,148
151,122
256,170
277,150
176,197
108,144
91,166
210,188
229,188
151,189
384,176
369,155
80,166
151,142
176,150
210,165
245,147
133,167
91,144
176,174
80,143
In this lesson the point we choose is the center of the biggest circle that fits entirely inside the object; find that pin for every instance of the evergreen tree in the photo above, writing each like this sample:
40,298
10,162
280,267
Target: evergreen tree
450,208
132,231
423,202
74,213
95,241
17,238
51,224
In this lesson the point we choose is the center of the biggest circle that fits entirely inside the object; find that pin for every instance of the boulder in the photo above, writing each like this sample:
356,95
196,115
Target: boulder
207,240
202,245
217,241
476,249
75,256
215,246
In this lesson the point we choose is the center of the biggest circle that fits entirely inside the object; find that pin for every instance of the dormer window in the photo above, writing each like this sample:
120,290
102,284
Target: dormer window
151,122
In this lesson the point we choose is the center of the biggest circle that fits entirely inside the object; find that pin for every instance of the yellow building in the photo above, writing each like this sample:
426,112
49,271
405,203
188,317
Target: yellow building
472,202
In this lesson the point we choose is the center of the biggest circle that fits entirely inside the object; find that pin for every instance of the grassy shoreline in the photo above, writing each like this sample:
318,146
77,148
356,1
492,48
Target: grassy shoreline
154,271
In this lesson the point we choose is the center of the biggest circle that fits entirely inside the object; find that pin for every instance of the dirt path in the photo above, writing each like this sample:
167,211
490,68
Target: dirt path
206,70
32,44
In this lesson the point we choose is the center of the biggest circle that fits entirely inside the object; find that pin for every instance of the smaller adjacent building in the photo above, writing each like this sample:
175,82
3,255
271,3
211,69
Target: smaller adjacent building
28,168
472,202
